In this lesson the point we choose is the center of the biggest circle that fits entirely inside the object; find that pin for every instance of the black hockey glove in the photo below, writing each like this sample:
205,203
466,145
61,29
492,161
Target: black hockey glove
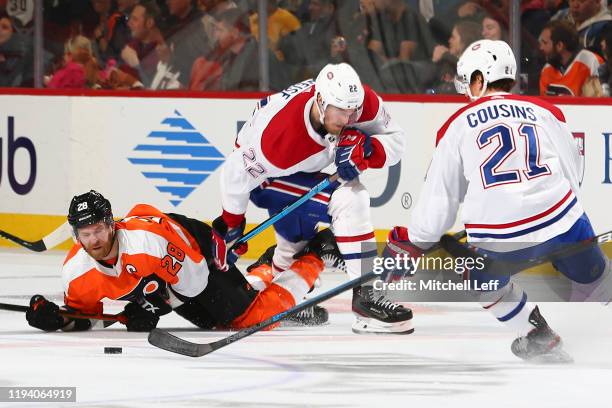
44,314
139,319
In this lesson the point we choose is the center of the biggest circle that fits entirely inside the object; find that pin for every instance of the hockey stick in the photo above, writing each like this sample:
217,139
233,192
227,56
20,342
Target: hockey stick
288,209
459,249
58,236
72,315
164,340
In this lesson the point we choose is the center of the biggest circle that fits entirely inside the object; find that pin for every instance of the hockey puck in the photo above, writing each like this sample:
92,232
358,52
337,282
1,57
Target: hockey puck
113,350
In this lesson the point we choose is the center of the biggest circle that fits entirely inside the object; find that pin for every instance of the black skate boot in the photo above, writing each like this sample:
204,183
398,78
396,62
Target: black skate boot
376,314
264,259
312,316
324,246
540,345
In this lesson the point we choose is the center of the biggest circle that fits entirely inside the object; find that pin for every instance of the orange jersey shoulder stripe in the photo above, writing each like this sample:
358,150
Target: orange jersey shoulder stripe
145,211
86,283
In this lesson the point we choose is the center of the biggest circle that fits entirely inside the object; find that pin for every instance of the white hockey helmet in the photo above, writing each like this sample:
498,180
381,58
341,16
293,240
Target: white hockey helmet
339,86
494,59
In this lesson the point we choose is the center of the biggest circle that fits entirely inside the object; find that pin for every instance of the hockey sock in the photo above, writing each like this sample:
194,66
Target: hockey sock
509,305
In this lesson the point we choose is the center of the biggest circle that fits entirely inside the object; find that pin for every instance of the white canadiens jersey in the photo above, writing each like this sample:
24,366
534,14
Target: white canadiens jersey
279,140
513,163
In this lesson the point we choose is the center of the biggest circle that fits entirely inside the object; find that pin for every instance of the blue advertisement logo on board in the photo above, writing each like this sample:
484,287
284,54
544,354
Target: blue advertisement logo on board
176,157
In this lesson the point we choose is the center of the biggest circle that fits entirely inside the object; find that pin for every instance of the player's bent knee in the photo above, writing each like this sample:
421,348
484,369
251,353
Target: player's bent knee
308,267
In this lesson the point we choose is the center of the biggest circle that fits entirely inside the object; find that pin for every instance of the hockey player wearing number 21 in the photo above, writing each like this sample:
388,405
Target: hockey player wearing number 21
291,137
512,161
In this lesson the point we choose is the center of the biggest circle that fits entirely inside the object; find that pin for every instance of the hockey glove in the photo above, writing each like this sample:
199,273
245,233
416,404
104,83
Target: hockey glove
403,252
139,319
223,238
354,148
44,314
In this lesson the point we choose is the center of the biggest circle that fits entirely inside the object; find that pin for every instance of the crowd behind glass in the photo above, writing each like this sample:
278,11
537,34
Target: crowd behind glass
396,46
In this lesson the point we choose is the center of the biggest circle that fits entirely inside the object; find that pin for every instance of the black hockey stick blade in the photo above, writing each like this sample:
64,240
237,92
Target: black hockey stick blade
170,342
37,246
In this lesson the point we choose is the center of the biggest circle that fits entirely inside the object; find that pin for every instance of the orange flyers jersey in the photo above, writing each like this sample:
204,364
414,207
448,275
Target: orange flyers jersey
150,242
570,82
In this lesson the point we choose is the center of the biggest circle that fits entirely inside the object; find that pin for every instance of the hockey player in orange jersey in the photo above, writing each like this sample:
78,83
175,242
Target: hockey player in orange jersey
161,263
568,70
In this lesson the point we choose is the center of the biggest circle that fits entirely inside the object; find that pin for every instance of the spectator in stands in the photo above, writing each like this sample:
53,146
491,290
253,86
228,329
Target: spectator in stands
492,29
442,22
307,50
142,53
534,16
115,34
605,69
398,32
103,10
15,55
351,45
569,70
445,58
185,37
234,64
80,69
209,9
590,17
280,23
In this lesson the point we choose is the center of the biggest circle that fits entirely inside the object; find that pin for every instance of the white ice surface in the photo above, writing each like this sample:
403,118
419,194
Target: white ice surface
459,356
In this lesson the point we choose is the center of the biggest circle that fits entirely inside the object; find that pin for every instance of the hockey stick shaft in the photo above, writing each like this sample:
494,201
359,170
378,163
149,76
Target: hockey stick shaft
56,237
288,209
164,340
72,315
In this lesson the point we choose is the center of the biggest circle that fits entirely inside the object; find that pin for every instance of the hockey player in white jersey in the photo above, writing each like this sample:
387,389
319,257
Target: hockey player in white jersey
512,162
292,136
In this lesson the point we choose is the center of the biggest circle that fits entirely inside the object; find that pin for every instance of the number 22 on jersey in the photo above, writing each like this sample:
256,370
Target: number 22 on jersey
506,147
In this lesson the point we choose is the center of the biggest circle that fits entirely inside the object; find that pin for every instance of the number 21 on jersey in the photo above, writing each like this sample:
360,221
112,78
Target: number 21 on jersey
506,146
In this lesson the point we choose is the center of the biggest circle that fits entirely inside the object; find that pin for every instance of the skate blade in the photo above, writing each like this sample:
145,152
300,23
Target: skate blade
554,357
372,326
292,323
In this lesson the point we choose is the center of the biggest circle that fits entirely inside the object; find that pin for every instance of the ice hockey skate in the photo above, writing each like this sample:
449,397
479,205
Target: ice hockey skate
324,245
540,345
312,316
376,314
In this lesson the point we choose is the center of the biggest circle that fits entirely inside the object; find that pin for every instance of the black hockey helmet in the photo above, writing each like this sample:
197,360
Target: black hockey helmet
89,208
